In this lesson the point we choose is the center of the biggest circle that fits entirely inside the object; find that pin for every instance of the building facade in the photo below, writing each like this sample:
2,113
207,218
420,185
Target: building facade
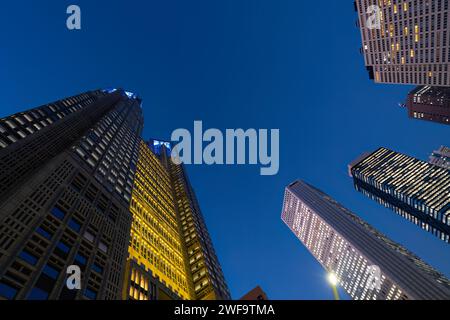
256,294
415,189
429,103
406,42
441,157
79,187
66,181
202,265
367,265
156,265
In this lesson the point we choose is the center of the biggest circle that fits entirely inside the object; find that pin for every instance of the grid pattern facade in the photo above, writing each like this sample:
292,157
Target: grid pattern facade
430,103
155,242
58,211
348,247
411,44
18,126
207,276
441,157
202,265
417,190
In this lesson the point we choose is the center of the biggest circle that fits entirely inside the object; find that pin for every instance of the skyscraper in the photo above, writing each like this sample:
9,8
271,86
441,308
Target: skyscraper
441,157
429,103
78,186
156,265
170,253
203,268
366,263
415,189
66,177
406,42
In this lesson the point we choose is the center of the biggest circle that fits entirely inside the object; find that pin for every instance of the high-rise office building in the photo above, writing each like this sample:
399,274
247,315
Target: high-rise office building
441,157
78,186
429,103
415,189
203,268
66,177
366,263
170,253
156,267
406,42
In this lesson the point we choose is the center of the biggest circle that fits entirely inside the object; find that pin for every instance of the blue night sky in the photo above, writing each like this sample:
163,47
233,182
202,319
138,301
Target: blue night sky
287,64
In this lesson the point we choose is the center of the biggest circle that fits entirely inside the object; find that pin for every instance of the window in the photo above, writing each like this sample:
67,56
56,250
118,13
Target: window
51,272
80,260
38,294
74,225
44,233
62,250
58,213
97,268
63,247
103,247
89,236
28,257
7,291
90,294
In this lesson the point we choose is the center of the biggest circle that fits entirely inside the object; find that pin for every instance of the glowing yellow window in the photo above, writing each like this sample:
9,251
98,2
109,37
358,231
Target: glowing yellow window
391,30
412,53
377,76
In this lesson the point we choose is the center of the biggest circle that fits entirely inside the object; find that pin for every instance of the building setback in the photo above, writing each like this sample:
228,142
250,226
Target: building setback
415,189
351,249
78,186
429,103
406,42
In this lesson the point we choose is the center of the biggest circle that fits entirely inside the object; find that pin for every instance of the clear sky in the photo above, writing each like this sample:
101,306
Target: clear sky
287,64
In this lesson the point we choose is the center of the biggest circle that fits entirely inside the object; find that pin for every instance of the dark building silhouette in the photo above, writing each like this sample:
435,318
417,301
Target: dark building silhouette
67,171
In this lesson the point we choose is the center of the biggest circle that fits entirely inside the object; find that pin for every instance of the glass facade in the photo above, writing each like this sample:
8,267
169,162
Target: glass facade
411,44
351,249
415,189
441,157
